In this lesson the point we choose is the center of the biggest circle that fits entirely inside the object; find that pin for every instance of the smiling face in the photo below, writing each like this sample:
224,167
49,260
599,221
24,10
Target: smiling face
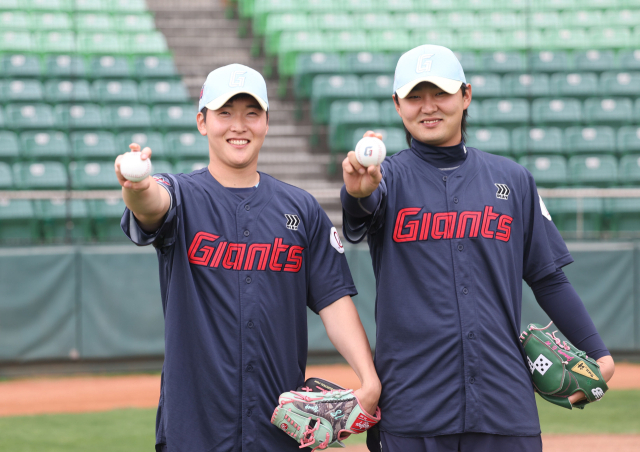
235,133
432,115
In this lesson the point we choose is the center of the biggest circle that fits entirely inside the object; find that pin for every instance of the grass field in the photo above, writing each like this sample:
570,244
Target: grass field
133,430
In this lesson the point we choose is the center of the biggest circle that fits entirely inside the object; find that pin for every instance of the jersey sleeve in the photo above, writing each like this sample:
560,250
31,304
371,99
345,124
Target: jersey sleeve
356,229
544,249
329,275
165,234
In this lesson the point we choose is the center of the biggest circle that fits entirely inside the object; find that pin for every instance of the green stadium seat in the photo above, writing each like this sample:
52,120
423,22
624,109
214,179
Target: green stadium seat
264,8
189,166
20,90
595,60
91,23
389,115
106,215
369,63
55,41
62,219
444,38
628,139
474,113
41,175
626,215
17,221
607,38
637,111
564,212
146,43
114,91
50,5
15,41
388,41
101,43
549,61
346,116
486,40
619,83
278,23
132,116
15,20
330,22
134,23
629,60
503,20
491,139
544,19
415,20
526,85
20,65
574,84
45,146
380,21
294,43
127,6
93,176
599,170
9,5
187,145
556,111
161,166
153,140
469,61
504,62
56,91
91,5
9,147
486,85
62,66
174,116
351,41
394,138
436,5
308,65
610,111
396,5
547,171
109,66
6,178
629,169
29,116
538,140
621,17
510,111
154,67
580,19
459,20
328,88
78,116
51,21
93,146
377,86
565,38
163,92
582,140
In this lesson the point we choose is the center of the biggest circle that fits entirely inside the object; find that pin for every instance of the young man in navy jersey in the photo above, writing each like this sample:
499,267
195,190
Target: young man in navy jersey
241,256
452,232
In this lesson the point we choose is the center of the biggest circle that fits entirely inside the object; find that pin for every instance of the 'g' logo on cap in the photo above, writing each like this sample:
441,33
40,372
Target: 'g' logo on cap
424,64
236,79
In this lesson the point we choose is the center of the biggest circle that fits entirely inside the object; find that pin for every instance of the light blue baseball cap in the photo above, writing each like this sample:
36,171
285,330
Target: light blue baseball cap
227,81
428,63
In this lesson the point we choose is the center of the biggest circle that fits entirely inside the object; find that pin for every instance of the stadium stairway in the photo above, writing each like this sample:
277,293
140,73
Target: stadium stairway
202,38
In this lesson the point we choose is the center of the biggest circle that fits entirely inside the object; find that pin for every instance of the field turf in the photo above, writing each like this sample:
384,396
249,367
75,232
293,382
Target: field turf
132,430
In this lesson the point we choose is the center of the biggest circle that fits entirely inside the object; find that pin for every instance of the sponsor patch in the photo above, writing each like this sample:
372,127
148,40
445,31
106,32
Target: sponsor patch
334,239
293,221
361,424
503,191
162,180
597,393
582,369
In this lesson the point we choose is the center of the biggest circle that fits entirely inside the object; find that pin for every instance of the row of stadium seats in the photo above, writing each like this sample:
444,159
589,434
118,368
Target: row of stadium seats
48,175
93,116
84,43
100,91
114,6
90,23
99,145
92,67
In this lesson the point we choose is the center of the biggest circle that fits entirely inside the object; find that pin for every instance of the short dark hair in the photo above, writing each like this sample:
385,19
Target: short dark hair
231,99
463,124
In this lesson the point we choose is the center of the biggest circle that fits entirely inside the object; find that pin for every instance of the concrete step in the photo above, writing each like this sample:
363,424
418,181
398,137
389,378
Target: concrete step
207,44
182,21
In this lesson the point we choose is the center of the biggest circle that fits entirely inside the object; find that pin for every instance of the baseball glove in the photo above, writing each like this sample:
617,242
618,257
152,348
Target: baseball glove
559,369
320,414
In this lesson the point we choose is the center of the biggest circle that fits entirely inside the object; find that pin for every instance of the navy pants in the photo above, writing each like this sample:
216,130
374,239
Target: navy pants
464,442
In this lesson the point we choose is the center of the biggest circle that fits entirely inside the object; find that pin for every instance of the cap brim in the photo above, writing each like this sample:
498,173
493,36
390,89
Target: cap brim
220,101
446,84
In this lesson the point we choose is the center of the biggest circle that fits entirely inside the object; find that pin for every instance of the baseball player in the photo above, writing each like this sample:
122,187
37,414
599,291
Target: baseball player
452,232
241,257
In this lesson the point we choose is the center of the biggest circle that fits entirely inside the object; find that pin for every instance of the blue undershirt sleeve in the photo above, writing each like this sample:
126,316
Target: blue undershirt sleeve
558,298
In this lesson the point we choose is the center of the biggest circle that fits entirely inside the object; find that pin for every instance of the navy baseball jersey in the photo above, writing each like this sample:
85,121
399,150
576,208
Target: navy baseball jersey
450,250
236,278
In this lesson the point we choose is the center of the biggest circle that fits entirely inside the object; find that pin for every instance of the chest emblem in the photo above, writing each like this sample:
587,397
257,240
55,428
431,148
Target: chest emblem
503,191
292,221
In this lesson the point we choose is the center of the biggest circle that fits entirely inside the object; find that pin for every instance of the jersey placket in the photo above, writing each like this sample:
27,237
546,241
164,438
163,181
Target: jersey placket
466,298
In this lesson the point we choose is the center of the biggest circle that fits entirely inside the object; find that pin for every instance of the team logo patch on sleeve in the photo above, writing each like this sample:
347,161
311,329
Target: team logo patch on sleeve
334,239
545,212
293,221
162,180
503,191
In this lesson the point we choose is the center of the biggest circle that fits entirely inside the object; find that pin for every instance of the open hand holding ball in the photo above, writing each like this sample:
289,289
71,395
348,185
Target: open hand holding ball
370,151
133,168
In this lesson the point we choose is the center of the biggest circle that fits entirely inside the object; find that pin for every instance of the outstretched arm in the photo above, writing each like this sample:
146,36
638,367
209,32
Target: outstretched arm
347,334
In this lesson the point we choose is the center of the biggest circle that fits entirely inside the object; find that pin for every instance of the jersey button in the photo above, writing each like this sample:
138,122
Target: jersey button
247,207
248,279
249,368
444,178
246,233
471,335
465,290
250,324
472,380
460,247
248,413
455,200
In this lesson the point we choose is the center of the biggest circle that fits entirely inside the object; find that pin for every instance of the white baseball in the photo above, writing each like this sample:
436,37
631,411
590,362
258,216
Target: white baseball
133,168
370,151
